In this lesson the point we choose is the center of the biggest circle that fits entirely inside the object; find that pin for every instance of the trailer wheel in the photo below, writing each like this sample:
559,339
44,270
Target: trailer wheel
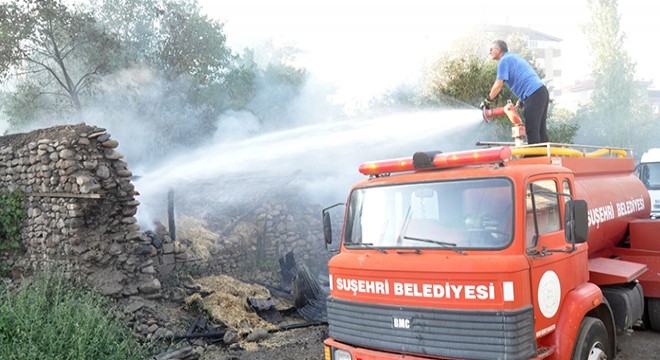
653,312
592,342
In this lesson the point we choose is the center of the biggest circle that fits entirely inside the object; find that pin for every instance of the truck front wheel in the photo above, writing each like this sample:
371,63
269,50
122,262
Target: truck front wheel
592,342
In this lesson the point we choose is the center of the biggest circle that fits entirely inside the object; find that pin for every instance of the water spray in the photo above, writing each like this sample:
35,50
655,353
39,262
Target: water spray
250,167
518,128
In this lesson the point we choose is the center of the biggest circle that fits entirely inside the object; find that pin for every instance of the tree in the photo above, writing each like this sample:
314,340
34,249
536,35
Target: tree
187,75
193,44
53,51
278,85
272,83
562,126
139,66
11,32
618,113
136,24
173,36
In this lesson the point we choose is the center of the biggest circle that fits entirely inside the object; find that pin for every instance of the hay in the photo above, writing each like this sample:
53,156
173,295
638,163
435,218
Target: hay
194,229
228,303
202,239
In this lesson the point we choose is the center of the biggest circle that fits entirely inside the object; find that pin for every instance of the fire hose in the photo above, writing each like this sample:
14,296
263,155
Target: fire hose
518,128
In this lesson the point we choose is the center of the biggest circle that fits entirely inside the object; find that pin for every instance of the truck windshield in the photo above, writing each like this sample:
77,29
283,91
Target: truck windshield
649,173
464,214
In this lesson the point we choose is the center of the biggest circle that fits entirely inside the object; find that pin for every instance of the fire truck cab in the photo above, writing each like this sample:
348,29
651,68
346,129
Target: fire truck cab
484,255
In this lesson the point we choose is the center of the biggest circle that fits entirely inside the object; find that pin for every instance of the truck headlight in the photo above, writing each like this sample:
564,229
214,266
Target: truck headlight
342,355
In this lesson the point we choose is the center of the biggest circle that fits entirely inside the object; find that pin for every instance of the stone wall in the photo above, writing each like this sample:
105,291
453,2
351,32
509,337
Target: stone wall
258,240
80,207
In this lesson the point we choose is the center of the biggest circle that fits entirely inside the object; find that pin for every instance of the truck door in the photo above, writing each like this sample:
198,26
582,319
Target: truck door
553,267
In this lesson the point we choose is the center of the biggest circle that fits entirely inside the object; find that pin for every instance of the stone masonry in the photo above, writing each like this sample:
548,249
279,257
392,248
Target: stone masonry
80,208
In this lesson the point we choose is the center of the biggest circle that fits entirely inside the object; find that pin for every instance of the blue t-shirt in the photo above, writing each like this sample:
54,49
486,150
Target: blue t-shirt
518,74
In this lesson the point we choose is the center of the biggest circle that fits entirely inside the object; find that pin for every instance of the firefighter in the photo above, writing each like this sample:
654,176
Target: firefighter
525,83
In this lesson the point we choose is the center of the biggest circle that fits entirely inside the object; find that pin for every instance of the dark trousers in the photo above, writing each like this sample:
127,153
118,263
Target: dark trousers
535,113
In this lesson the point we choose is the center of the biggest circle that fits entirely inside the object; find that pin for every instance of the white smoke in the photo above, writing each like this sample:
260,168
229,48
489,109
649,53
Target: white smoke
4,125
236,125
318,162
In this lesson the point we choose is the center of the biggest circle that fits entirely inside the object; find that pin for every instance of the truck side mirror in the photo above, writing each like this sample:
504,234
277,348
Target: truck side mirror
327,227
576,223
327,224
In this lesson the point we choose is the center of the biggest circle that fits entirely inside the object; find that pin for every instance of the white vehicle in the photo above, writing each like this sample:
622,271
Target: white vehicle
648,171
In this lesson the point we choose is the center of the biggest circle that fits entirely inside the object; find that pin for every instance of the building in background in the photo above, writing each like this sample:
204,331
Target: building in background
575,95
579,94
654,100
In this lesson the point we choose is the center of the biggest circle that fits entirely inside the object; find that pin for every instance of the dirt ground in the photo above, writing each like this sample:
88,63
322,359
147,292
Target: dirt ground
640,345
221,299
299,344
307,344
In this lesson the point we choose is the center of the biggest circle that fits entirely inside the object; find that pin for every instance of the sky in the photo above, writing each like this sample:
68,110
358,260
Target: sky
367,46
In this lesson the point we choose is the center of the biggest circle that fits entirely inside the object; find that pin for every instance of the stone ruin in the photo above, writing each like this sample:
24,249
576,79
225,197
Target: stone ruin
81,208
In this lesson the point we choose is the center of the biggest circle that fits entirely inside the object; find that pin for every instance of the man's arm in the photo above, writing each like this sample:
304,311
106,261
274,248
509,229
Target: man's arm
495,90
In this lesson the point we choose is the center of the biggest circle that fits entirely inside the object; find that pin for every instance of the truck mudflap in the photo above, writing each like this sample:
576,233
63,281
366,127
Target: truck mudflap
433,333
627,303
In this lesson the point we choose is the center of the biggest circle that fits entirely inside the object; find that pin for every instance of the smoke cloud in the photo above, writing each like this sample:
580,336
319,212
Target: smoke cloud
313,153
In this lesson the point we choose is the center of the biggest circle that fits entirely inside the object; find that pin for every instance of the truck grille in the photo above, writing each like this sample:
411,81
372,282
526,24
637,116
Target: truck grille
434,332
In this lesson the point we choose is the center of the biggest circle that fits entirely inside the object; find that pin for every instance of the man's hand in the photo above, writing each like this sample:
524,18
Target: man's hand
519,104
486,104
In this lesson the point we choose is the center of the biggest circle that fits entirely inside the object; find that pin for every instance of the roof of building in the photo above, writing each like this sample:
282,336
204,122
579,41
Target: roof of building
531,33
581,86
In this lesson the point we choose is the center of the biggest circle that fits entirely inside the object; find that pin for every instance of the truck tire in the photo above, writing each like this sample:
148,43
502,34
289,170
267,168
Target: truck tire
592,342
653,312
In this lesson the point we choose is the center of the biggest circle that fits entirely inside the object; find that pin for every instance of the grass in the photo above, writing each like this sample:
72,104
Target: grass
51,318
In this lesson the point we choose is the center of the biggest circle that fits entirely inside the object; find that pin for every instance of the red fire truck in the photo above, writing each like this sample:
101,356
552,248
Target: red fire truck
505,252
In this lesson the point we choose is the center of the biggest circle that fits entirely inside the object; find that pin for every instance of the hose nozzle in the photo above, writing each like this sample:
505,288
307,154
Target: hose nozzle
490,114
518,128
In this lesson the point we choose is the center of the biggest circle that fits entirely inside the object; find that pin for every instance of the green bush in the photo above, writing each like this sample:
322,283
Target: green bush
12,212
53,319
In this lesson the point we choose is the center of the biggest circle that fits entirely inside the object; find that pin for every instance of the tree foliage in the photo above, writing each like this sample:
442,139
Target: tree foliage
184,46
158,70
197,73
618,115
54,50
193,44
562,126
12,212
171,35
136,24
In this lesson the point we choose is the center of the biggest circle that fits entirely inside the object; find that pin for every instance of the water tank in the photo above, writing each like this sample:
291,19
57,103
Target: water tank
614,195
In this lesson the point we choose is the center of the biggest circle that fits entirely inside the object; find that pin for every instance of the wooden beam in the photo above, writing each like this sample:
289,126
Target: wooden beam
66,195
